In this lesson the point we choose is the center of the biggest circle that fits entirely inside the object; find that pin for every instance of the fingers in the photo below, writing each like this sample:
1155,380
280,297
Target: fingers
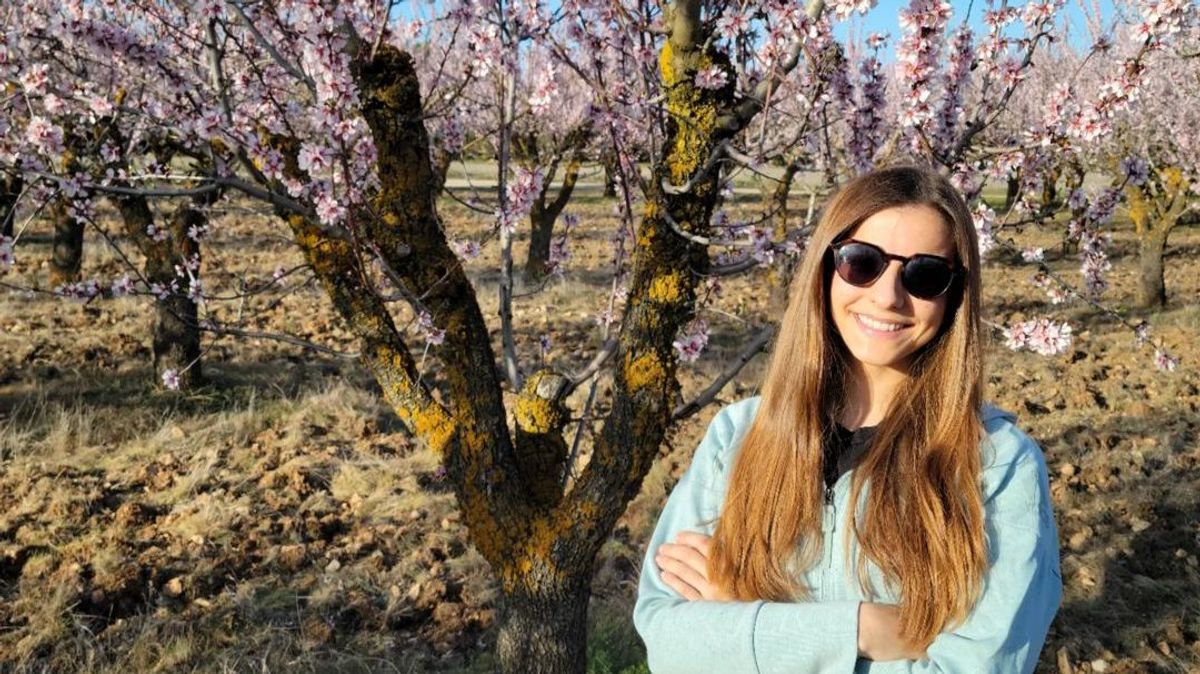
676,583
686,554
683,565
696,540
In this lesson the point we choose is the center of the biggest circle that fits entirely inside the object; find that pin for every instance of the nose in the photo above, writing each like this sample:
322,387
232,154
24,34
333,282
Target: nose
887,292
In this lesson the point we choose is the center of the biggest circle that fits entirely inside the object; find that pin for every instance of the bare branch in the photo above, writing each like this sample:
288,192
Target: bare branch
750,107
704,240
756,344
714,158
512,366
274,53
278,337
606,351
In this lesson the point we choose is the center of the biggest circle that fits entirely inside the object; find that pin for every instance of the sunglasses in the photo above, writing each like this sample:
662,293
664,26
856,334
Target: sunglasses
923,276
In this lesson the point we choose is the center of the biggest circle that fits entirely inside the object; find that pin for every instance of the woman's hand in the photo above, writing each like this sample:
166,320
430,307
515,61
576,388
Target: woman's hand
683,566
879,634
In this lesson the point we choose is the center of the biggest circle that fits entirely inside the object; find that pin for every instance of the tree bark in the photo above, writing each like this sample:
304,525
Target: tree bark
10,189
545,631
609,162
540,542
1152,289
175,340
779,276
66,257
176,344
1156,207
1011,190
541,223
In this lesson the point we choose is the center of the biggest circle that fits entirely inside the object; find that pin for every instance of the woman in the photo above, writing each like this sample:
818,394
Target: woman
873,396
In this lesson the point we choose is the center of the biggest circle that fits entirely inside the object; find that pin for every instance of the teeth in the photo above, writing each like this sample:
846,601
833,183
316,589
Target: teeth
878,325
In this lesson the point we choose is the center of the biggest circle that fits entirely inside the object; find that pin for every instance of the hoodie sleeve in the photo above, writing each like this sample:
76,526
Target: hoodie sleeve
1007,628
690,637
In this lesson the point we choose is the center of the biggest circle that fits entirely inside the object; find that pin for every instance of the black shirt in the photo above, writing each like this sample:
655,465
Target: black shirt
843,448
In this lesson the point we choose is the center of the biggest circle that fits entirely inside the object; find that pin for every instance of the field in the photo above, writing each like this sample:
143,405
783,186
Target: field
281,518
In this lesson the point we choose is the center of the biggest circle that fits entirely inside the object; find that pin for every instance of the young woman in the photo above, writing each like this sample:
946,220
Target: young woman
949,560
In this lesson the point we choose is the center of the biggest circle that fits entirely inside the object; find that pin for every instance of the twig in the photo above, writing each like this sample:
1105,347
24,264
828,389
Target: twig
744,356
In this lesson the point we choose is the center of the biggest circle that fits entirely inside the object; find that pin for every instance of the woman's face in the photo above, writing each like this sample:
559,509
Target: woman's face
882,325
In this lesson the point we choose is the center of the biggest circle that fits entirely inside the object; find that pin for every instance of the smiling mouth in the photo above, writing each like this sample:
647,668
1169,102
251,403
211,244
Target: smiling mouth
878,325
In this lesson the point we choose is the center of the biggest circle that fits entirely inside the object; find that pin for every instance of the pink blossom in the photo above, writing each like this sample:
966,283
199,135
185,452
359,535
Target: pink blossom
170,379
690,344
732,25
78,290
763,248
985,220
329,211
1135,170
1054,292
842,9
1039,335
35,79
122,286
316,159
545,88
433,335
44,135
467,249
711,77
1094,262
156,233
1164,361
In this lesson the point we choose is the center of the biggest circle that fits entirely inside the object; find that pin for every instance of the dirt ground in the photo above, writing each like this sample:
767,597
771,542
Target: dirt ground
281,517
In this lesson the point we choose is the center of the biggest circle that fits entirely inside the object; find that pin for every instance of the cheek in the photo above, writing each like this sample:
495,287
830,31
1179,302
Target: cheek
932,314
840,295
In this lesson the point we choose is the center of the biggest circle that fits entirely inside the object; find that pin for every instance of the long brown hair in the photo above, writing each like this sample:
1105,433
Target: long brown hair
923,523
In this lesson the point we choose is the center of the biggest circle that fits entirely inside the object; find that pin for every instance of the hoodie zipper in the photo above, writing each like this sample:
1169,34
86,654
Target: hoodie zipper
829,517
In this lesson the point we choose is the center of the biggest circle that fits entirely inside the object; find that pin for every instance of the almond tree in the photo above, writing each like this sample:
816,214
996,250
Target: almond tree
315,108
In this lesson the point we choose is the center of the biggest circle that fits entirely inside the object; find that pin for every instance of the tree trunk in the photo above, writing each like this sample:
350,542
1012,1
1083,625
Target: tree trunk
176,345
66,257
541,231
1152,290
545,631
609,161
10,188
779,276
440,162
1010,193
175,342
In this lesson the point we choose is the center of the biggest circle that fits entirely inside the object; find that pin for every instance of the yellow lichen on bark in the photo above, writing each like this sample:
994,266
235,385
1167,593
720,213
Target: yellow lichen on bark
644,371
534,414
666,288
691,110
430,424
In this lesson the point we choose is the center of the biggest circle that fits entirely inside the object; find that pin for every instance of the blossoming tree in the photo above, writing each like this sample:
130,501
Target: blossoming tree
316,109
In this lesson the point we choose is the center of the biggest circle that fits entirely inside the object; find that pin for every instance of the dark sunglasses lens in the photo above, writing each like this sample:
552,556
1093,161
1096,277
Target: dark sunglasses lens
858,264
926,277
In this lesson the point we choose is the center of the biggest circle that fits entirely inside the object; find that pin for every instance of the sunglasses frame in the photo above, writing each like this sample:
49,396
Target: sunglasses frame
956,270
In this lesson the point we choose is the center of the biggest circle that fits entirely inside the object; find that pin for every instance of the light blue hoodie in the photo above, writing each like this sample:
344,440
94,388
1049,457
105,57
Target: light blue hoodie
1003,634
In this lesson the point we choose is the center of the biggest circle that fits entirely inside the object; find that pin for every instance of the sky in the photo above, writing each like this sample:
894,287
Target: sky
884,18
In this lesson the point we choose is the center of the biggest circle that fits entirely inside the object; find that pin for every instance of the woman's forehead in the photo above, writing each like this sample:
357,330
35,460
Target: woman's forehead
908,230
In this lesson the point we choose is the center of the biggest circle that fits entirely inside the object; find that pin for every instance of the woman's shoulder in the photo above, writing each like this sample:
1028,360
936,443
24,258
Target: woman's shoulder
727,429
1015,476
1004,442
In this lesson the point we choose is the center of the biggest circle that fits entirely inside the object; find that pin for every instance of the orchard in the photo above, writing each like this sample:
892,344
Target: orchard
367,336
